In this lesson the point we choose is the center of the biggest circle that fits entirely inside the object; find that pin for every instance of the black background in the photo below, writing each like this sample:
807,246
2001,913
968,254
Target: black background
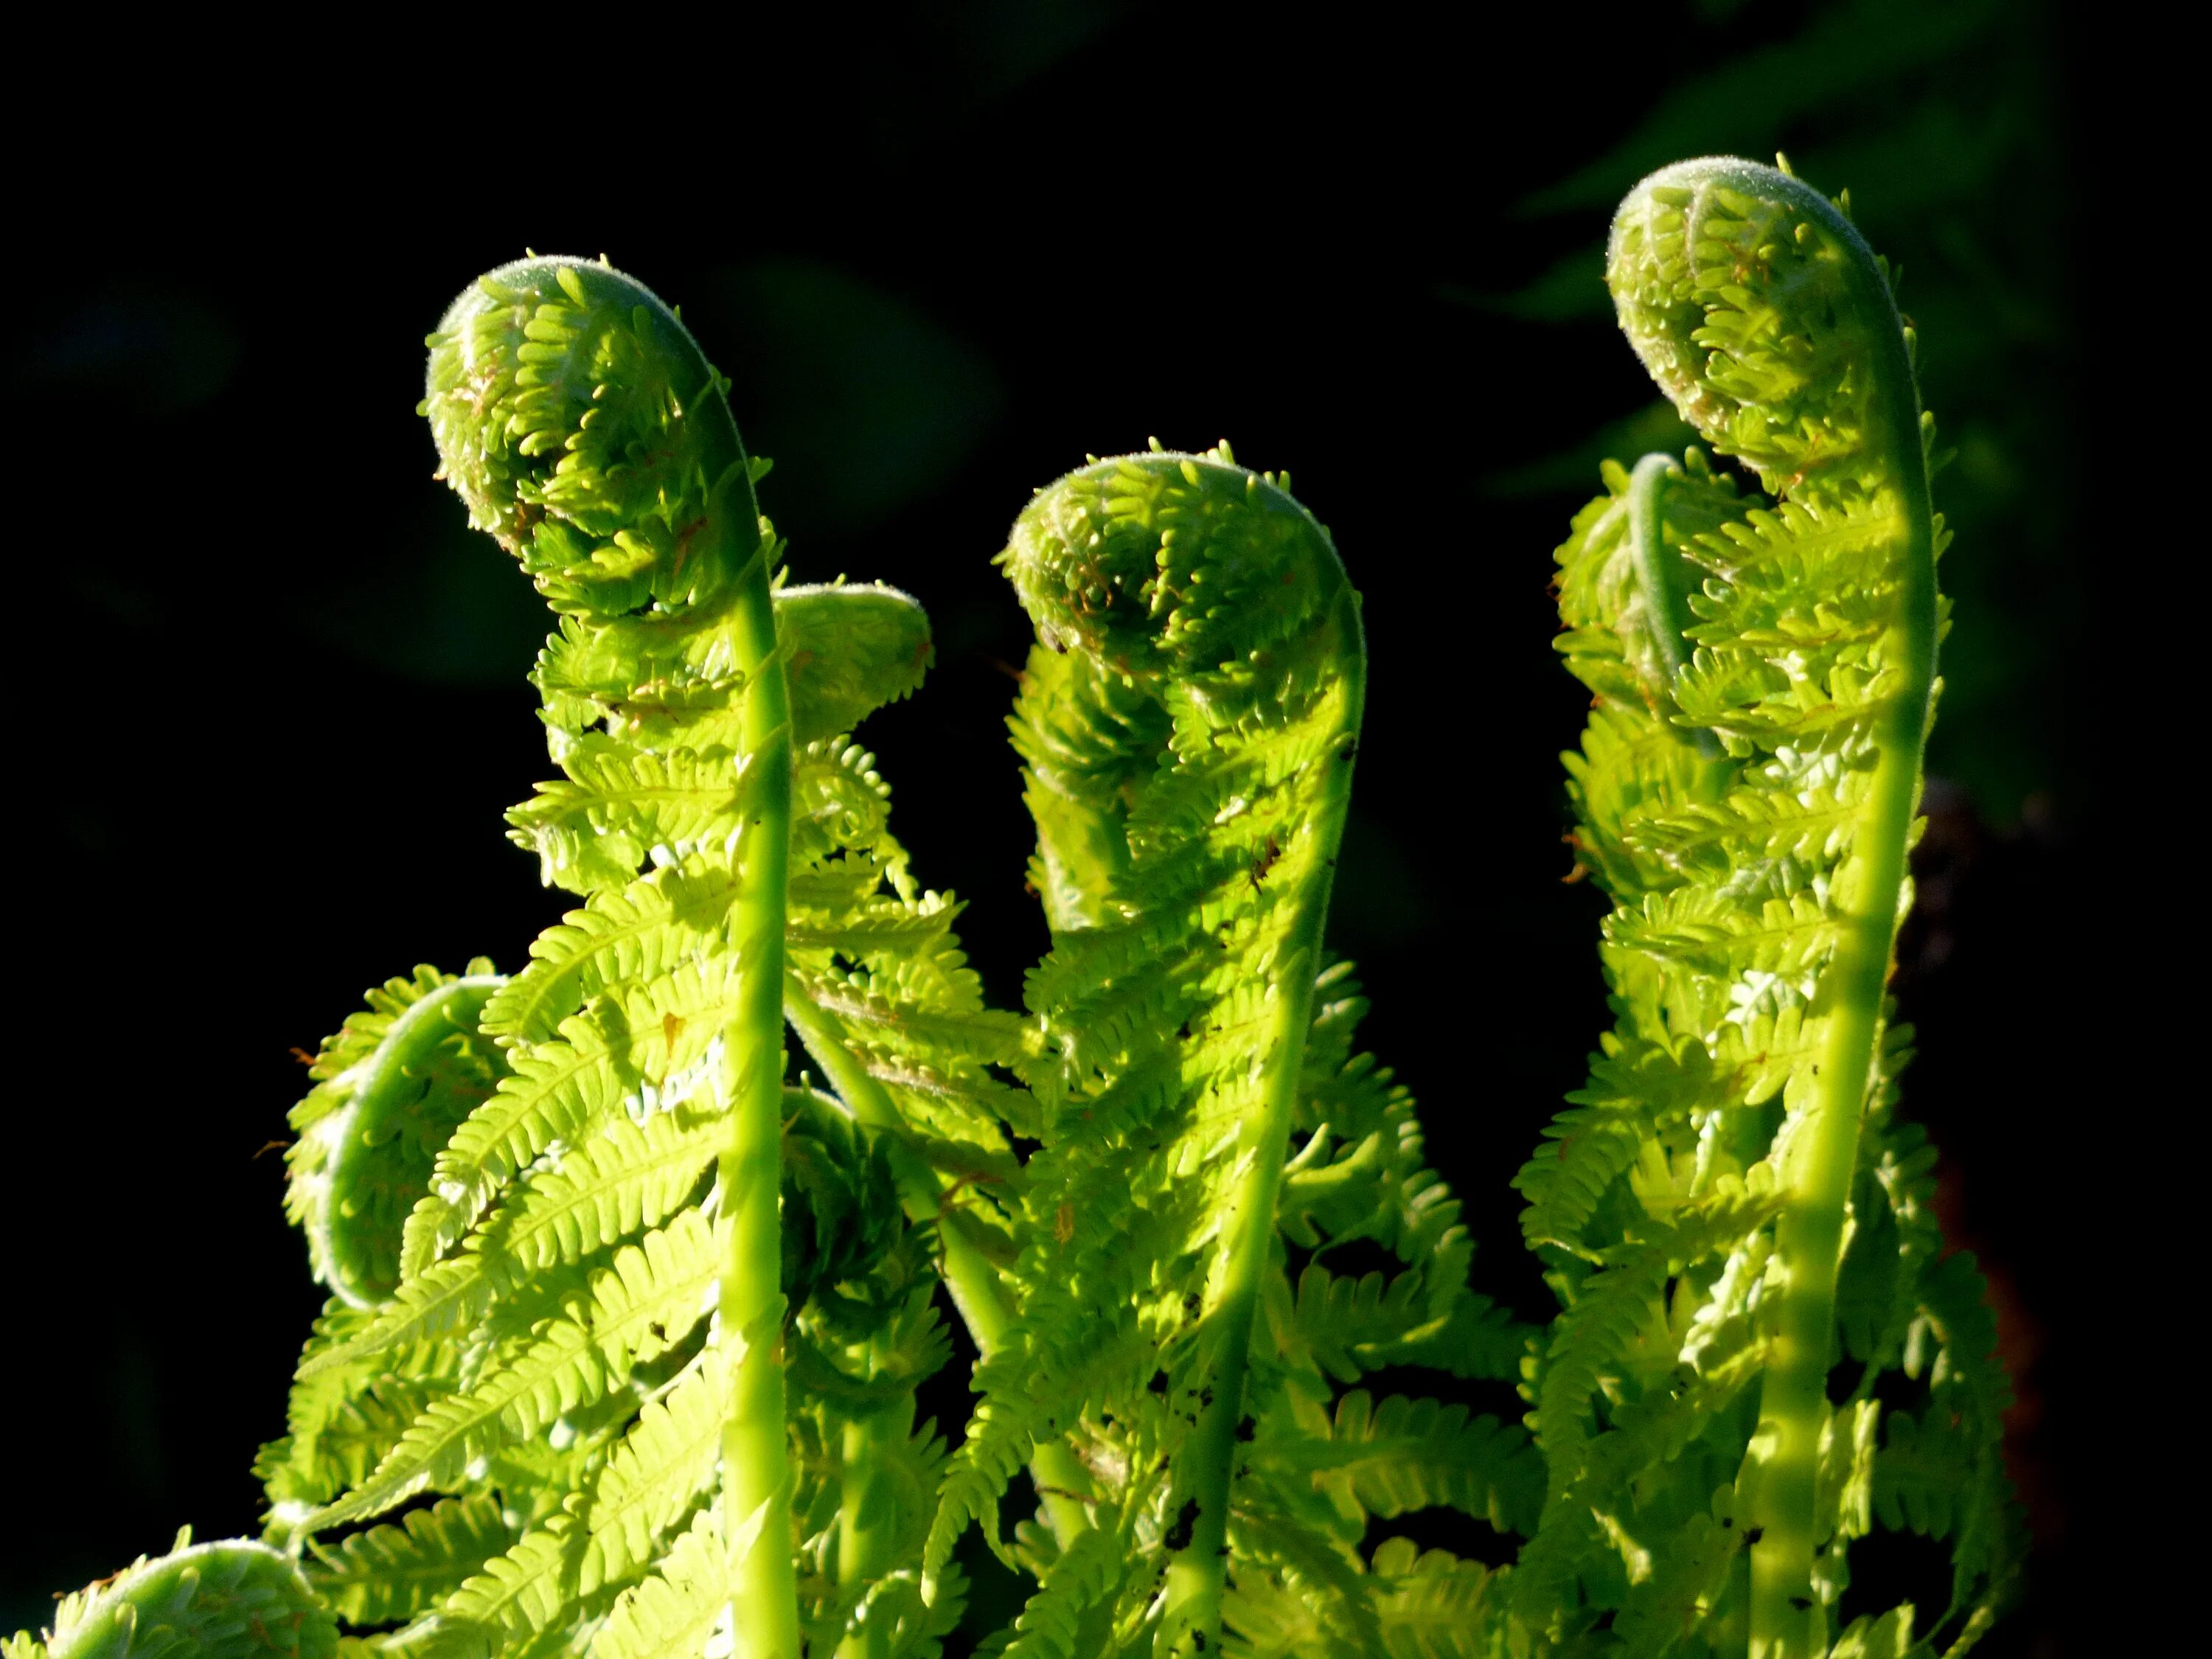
268,696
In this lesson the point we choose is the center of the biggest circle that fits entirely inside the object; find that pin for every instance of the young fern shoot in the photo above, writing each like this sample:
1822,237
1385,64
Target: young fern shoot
653,1322
1744,793
1188,721
1216,609
580,423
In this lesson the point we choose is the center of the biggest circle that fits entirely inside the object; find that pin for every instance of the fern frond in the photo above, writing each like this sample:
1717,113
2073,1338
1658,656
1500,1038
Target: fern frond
642,1304
659,1032
1307,1554
623,936
443,1300
525,1591
592,830
344,1416
850,649
895,1621
1009,1422
1763,671
396,1571
1437,1606
673,1614
515,1400
626,1178
1088,1573
1186,723
1404,1455
1264,1618
593,1272
670,1455
1348,1327
1676,1583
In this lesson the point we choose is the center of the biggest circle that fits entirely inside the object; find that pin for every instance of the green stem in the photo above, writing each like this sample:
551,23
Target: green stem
1057,1473
755,1476
1787,1621
1196,1573
866,1517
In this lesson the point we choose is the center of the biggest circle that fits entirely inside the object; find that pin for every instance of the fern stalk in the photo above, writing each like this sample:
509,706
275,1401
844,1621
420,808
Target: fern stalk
1195,1579
755,1477
865,1522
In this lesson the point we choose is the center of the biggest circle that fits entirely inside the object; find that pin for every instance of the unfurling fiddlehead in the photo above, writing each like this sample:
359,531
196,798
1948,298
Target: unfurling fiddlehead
1188,721
645,1316
1206,604
232,1599
1765,677
390,1088
581,425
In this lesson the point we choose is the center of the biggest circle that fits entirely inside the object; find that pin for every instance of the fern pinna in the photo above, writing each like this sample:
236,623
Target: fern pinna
1764,1351
1188,721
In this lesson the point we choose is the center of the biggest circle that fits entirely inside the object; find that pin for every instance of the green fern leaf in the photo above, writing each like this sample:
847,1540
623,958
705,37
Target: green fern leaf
670,1455
390,1088
673,1614
636,932
395,1572
1088,1574
524,1592
1437,1607
1406,1454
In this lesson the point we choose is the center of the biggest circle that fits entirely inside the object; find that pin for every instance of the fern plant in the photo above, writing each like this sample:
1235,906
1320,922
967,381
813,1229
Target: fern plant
629,1305
1763,1350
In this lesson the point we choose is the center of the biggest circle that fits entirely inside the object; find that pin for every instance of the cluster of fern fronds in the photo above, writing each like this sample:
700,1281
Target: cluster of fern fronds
514,1184
627,1314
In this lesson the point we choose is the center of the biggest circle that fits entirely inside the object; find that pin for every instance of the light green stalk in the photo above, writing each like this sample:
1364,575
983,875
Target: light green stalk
1665,579
755,1476
1786,1621
1659,576
867,1518
1197,1574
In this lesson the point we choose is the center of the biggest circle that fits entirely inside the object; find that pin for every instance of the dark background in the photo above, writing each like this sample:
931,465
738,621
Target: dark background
268,691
